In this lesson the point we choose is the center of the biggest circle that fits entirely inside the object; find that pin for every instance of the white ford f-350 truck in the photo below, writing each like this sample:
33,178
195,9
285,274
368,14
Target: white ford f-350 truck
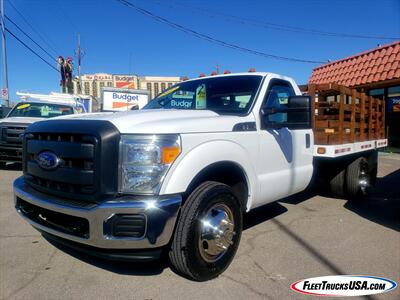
178,175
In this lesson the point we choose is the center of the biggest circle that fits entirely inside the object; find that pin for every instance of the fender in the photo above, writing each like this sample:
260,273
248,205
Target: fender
185,169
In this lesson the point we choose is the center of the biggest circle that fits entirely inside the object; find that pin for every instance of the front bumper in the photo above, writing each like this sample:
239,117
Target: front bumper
134,255
160,214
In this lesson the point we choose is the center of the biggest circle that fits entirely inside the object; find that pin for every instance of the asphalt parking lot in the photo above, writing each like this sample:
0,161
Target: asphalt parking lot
300,237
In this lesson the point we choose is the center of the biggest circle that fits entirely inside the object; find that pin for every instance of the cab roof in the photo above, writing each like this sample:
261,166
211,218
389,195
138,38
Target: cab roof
263,74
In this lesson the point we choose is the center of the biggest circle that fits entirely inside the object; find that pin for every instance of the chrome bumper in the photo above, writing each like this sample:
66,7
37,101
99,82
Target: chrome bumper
160,213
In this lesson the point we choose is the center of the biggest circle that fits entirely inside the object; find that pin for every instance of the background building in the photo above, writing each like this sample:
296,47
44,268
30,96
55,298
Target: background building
376,72
157,84
92,83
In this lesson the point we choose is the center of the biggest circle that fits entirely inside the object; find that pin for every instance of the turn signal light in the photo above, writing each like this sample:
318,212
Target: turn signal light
227,72
252,70
214,73
169,154
321,150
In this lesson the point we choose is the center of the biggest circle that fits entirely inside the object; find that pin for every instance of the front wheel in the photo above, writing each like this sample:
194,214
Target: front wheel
208,232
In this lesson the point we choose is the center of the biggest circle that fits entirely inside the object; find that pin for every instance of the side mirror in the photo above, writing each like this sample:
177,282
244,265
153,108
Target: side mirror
296,114
300,102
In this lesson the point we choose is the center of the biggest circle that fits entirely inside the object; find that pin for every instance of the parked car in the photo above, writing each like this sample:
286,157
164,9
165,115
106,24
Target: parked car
178,175
13,126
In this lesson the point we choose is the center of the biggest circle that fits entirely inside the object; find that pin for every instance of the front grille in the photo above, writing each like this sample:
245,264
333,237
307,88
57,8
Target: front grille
87,159
11,133
75,175
61,222
10,153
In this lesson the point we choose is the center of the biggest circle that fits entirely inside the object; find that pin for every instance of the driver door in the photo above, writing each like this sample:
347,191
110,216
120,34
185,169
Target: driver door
285,154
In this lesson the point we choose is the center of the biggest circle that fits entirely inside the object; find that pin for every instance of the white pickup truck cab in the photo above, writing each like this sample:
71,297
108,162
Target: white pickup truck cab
19,118
179,174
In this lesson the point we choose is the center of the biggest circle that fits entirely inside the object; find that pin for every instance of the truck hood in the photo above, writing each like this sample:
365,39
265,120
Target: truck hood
167,121
21,120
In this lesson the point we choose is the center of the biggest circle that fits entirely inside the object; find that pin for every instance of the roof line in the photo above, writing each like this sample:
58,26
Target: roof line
356,55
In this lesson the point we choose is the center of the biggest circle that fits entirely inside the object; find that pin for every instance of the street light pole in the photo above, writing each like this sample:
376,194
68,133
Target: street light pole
5,72
79,65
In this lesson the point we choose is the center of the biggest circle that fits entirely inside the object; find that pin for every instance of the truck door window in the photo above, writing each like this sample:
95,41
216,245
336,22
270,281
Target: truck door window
277,97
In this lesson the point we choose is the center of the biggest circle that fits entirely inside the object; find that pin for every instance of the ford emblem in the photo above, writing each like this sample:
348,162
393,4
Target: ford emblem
48,160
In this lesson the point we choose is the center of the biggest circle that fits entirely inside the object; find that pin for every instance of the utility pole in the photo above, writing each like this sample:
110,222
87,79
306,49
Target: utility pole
5,93
217,68
79,65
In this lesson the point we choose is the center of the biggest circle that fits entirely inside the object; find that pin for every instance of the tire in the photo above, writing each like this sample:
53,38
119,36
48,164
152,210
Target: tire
191,249
337,184
358,178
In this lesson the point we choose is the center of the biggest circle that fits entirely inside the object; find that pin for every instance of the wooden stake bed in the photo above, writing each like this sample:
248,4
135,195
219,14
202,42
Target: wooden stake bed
346,119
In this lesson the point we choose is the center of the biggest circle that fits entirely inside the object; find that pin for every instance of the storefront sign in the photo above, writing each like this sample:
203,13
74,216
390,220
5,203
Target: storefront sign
393,104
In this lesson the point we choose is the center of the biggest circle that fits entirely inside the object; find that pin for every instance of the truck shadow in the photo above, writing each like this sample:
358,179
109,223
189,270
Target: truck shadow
262,214
118,267
382,206
269,211
383,203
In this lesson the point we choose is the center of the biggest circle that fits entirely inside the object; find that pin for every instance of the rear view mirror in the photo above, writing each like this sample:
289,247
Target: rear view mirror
296,114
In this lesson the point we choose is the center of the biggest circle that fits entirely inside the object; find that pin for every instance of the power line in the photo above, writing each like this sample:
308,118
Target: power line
66,15
20,29
275,26
33,28
33,51
210,38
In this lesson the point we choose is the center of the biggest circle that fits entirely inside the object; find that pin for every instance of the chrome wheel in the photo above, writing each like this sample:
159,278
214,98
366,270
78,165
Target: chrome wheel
216,232
364,178
208,232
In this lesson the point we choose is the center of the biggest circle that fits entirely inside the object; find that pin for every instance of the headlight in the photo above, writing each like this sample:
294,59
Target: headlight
144,161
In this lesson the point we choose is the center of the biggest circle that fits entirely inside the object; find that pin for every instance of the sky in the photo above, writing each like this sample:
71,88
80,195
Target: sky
117,39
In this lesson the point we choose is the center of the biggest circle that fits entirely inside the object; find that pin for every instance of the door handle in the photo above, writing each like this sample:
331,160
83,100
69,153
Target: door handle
308,140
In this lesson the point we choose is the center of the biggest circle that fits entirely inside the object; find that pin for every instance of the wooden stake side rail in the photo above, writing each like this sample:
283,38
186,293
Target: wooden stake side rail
342,115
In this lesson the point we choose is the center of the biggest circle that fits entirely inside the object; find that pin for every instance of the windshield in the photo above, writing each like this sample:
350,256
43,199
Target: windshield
40,110
223,95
